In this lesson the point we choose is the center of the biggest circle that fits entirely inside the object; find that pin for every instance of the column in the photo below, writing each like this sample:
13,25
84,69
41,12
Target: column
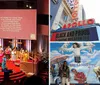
40,43
1,42
28,45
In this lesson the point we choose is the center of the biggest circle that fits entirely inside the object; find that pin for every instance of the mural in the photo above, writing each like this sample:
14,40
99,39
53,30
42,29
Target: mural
84,58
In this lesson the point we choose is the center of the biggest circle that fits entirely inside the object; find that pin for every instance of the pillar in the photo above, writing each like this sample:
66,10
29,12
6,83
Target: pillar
28,45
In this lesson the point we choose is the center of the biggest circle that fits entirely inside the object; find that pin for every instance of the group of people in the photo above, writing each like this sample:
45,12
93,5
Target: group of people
22,55
13,54
64,73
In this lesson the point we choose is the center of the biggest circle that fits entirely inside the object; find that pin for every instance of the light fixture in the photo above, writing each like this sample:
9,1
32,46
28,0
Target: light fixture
27,5
30,7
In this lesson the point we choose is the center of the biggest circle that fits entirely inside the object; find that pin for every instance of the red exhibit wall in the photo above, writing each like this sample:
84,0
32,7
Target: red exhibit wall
20,24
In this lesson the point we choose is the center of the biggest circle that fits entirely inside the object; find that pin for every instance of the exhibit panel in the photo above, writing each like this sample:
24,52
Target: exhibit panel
83,62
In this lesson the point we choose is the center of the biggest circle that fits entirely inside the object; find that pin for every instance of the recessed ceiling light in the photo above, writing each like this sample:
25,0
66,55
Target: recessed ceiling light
30,7
27,5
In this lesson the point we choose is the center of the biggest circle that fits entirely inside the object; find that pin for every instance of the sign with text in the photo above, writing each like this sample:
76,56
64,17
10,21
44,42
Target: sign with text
75,10
18,23
79,23
71,3
87,34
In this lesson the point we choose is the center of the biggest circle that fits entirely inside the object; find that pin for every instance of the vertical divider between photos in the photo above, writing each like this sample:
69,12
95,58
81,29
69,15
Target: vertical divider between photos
49,42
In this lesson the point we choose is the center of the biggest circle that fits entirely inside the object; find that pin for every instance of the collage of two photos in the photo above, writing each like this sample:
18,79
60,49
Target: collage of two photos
74,42
49,42
24,42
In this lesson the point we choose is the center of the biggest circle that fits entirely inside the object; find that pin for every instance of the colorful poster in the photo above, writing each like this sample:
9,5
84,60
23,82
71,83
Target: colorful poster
83,60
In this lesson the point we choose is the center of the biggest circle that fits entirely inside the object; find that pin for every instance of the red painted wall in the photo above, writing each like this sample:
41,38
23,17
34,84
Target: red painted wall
44,29
43,6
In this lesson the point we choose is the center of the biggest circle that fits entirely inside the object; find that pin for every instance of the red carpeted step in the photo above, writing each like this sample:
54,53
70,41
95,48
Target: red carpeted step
1,77
18,78
1,80
17,75
14,73
1,74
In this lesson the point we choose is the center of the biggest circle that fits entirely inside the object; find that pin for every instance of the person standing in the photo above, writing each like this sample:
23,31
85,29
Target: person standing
21,54
4,63
26,56
65,74
1,49
8,52
1,56
13,55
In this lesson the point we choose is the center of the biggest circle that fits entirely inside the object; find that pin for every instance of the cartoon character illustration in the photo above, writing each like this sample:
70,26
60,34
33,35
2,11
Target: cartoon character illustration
76,49
97,72
80,77
89,66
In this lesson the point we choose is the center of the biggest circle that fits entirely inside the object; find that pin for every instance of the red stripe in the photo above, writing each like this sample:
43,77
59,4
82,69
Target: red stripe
53,38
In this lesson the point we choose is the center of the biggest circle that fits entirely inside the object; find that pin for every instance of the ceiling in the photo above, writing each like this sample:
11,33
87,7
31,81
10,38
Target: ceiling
17,4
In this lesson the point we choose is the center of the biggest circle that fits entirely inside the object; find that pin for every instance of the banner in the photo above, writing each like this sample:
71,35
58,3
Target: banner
82,58
19,24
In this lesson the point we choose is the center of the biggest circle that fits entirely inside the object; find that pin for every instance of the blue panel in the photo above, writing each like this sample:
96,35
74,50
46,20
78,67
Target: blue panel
53,10
98,32
79,27
93,34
